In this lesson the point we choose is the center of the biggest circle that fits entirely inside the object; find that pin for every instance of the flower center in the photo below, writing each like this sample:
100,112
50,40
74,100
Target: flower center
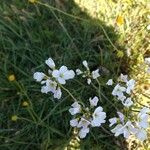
61,75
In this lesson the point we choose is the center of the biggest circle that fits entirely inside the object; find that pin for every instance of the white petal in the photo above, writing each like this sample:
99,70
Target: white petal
98,110
89,81
144,117
121,116
117,130
74,122
122,97
83,123
141,135
55,74
76,105
112,121
98,116
63,69
144,110
130,85
76,108
128,90
126,133
98,121
83,132
85,64
38,76
45,89
95,74
78,71
94,101
52,85
74,111
128,102
148,27
109,82
50,63
57,93
61,80
147,60
43,82
123,78
69,74
144,124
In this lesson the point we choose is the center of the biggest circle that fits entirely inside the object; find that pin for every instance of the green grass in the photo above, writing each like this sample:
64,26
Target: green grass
31,33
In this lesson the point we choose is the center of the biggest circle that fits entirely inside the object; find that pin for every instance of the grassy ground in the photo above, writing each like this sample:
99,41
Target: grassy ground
29,34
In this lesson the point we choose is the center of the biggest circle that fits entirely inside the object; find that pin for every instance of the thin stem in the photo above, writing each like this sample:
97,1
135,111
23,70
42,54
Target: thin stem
31,114
106,131
99,89
31,111
68,92
78,18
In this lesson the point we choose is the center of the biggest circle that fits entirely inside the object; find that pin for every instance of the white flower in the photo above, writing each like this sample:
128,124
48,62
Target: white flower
98,117
89,81
128,102
95,74
130,86
49,87
83,123
50,63
83,132
126,129
118,90
94,101
78,71
109,82
143,123
143,118
63,74
148,27
45,89
39,76
76,108
74,122
144,110
147,60
122,98
118,130
141,134
112,121
57,93
85,64
123,78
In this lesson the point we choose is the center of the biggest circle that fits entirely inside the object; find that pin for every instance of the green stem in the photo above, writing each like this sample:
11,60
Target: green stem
99,89
68,92
31,114
78,18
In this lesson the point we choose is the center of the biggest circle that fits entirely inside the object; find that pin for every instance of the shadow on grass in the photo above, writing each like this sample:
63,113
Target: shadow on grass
30,33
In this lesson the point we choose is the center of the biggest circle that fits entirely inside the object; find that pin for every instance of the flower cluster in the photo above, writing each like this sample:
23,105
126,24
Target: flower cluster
126,127
84,119
123,90
87,73
55,78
